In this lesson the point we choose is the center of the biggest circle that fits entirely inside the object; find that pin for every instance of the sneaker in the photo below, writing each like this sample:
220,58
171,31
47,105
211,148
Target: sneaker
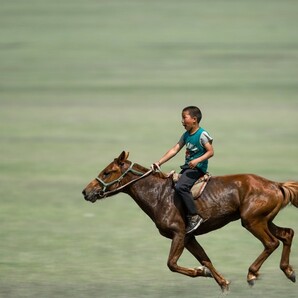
193,223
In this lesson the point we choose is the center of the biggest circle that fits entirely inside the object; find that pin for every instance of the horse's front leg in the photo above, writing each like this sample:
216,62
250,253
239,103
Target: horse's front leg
199,253
176,251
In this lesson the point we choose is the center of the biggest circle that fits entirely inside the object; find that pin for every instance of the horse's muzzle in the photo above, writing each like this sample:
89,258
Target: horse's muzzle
88,197
94,196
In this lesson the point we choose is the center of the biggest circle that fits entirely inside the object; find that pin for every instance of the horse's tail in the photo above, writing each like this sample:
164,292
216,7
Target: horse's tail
290,192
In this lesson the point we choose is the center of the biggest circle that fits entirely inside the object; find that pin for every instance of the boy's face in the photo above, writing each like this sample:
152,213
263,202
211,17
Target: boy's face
190,123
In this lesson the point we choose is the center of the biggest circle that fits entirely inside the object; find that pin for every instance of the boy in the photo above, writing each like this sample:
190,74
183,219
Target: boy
198,150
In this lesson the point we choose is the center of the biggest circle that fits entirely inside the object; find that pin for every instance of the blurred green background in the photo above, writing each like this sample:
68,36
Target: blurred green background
83,80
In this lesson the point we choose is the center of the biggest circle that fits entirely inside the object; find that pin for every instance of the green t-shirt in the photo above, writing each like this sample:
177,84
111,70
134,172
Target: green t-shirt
194,144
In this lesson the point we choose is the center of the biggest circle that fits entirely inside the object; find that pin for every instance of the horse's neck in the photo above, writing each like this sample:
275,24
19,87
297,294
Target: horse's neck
147,193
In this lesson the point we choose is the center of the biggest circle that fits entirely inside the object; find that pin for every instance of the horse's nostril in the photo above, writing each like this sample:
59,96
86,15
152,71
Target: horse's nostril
84,193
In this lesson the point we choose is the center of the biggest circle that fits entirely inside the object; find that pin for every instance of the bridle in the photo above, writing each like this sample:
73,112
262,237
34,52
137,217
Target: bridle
103,193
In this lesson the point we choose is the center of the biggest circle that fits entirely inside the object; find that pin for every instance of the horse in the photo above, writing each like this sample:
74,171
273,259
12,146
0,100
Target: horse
248,197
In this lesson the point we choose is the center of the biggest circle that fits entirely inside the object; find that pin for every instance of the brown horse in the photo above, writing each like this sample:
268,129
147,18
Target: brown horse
253,199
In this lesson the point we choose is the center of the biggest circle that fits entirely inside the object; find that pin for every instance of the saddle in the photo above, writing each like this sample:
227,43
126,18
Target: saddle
198,187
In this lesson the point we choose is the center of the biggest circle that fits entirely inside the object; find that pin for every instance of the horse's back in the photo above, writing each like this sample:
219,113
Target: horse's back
243,184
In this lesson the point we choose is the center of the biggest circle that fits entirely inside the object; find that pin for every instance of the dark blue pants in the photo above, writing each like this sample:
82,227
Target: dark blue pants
184,185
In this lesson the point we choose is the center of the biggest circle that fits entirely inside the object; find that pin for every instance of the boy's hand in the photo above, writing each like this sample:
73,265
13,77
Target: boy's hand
155,167
192,164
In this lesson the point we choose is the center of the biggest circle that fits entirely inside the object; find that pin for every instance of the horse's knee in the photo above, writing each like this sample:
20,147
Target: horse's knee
272,245
291,233
172,266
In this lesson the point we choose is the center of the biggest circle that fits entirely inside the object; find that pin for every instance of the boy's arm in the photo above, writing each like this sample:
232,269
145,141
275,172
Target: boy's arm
169,154
208,154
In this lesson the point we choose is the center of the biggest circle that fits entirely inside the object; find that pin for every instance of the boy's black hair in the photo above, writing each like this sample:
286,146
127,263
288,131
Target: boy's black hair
193,112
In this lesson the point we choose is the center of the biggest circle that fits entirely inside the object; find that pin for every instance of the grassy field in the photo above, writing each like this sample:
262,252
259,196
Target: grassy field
83,80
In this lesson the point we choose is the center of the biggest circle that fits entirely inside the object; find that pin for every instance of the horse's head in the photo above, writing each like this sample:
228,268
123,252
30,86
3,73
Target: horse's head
108,179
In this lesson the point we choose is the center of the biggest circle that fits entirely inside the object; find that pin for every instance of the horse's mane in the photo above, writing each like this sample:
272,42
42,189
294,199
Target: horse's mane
156,174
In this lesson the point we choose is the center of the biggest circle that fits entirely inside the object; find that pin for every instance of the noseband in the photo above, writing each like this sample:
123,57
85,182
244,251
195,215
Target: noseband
104,193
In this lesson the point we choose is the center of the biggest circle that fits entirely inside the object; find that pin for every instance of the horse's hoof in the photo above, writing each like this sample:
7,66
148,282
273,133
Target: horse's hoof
251,278
290,274
251,282
225,287
292,277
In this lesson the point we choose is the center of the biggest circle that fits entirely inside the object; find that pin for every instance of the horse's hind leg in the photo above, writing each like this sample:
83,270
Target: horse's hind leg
286,236
259,228
198,252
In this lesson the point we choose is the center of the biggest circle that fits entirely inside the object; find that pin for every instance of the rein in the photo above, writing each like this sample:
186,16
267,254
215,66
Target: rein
104,193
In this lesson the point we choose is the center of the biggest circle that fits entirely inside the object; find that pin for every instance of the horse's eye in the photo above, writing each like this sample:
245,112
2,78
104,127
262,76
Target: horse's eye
105,174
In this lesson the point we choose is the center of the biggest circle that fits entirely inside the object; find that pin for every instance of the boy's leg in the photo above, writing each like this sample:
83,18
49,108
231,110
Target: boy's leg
183,187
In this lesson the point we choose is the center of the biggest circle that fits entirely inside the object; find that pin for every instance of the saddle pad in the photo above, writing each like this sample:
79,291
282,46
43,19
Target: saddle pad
198,187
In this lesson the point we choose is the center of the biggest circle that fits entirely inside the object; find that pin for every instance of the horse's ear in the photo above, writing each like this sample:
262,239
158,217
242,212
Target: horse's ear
122,157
